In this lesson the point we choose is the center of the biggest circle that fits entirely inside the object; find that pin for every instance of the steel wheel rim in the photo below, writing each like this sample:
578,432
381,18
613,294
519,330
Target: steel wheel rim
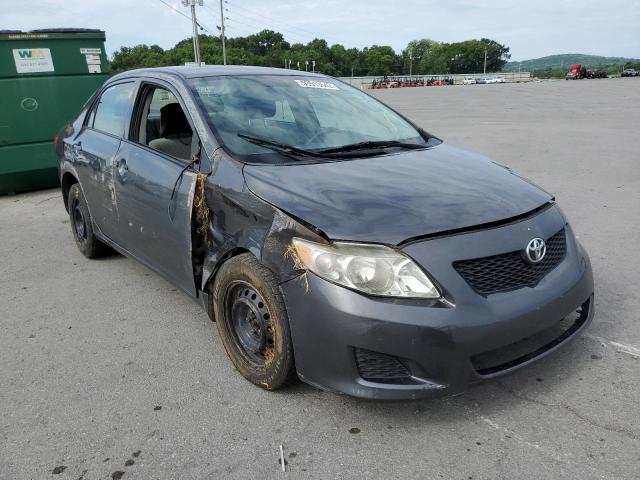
249,320
78,220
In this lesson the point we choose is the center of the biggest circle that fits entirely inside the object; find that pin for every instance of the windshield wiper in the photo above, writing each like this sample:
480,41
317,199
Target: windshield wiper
371,145
283,147
332,152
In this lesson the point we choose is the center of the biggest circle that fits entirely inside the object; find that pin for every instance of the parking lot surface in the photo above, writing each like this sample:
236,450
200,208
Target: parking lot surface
108,371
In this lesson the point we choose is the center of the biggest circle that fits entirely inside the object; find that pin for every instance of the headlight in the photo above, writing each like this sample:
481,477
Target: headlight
372,269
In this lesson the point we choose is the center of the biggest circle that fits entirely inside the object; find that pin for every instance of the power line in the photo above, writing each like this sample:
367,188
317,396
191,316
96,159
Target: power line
194,20
261,17
250,25
288,28
258,28
180,13
297,33
215,15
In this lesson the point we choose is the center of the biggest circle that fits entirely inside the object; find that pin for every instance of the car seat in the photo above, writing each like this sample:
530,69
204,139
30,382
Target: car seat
175,132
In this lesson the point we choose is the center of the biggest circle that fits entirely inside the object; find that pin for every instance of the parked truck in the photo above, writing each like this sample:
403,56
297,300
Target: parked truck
578,71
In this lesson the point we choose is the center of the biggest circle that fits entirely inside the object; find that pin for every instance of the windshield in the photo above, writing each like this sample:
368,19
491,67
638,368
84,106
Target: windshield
307,113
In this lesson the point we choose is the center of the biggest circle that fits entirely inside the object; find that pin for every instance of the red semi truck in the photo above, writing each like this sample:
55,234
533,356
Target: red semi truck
578,71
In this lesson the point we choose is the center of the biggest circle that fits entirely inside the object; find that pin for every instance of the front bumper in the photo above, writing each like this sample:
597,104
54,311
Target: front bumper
438,342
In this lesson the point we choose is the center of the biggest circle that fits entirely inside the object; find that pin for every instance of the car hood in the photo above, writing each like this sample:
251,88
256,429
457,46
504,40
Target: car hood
391,198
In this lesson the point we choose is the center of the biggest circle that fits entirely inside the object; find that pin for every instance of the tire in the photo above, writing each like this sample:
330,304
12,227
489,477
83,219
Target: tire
81,225
253,323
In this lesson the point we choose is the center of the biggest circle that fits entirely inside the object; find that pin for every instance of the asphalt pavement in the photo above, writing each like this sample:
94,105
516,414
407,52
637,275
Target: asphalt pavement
107,371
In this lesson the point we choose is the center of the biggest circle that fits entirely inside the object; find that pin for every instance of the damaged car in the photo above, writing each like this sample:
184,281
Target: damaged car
329,237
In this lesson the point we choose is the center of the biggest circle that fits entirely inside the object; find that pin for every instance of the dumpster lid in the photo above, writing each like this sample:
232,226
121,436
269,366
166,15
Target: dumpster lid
66,30
56,30
53,34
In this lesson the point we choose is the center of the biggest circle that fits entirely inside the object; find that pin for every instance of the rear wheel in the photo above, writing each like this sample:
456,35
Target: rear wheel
253,323
81,225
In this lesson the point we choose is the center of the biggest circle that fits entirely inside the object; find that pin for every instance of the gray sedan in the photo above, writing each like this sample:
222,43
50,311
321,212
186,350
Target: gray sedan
329,237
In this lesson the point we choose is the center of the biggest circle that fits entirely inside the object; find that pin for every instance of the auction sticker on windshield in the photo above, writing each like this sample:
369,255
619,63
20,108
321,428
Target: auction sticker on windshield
206,91
315,84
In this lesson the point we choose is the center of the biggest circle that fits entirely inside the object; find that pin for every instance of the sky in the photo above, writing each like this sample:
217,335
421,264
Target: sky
531,29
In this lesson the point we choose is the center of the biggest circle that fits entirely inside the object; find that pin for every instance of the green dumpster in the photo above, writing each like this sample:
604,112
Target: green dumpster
45,78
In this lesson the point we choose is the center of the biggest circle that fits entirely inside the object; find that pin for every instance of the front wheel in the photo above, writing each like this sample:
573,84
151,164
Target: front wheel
253,323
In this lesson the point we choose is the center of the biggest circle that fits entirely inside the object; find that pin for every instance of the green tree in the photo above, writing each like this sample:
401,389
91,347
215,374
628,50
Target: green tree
127,58
433,57
423,53
381,60
269,48
261,44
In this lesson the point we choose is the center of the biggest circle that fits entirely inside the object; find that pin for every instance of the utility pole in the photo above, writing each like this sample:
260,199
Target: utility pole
313,66
196,43
485,61
410,61
224,50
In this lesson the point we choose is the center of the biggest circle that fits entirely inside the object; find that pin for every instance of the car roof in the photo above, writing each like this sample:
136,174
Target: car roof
214,71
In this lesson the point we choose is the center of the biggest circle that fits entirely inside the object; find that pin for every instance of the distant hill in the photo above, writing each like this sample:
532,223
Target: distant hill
566,59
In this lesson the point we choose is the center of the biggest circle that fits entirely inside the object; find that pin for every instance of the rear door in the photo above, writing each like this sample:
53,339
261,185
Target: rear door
95,149
155,187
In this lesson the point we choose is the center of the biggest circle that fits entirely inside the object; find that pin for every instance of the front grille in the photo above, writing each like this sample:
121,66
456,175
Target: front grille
510,356
379,367
509,271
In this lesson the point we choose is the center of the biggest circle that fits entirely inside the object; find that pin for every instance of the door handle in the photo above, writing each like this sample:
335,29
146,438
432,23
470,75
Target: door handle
122,166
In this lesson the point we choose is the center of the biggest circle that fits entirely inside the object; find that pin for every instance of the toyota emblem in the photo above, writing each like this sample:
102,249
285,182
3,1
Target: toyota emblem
536,250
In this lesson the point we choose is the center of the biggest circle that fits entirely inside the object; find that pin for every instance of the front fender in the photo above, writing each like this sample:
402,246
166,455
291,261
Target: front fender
240,222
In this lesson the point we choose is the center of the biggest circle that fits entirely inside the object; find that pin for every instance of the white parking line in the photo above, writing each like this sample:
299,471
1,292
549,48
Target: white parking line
621,347
519,438
564,458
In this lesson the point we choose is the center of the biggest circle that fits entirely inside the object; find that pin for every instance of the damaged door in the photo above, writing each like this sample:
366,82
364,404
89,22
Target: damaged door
95,149
155,185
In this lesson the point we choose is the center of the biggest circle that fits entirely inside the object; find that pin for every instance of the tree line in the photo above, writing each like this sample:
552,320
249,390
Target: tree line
269,48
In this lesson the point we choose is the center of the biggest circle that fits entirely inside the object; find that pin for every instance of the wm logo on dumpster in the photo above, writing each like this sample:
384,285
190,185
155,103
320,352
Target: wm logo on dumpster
33,60
31,54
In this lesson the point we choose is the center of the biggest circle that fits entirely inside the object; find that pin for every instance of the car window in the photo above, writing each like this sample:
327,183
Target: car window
111,113
310,113
333,112
163,124
159,99
283,112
